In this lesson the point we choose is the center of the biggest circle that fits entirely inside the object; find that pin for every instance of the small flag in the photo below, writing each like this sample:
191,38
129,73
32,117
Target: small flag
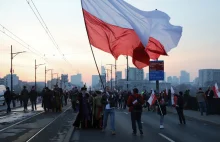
152,98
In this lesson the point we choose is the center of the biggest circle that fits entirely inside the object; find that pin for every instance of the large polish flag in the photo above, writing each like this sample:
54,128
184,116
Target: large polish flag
152,98
216,91
117,27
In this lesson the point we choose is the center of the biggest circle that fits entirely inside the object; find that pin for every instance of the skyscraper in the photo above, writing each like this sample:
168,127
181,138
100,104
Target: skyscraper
95,80
208,77
184,77
119,75
103,70
134,74
76,79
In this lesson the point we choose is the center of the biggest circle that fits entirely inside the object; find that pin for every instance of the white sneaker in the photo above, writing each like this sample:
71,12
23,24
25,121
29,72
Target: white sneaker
161,127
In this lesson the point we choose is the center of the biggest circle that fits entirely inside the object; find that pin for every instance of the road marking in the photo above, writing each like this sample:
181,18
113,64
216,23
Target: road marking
20,122
47,125
166,137
125,112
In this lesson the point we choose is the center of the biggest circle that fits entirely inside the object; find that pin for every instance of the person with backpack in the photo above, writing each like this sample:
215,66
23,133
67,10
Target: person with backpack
135,103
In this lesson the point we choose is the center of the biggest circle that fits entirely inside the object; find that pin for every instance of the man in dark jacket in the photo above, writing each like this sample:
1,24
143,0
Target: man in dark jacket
33,98
179,108
8,97
109,103
135,102
209,98
25,97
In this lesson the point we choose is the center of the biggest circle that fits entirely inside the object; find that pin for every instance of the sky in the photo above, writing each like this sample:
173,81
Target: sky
198,48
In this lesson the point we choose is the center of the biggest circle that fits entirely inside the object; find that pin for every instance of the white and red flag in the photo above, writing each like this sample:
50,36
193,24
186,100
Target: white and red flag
152,98
117,27
216,91
166,92
173,98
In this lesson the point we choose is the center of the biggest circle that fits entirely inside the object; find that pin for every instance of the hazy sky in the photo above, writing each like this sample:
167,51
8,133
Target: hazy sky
199,46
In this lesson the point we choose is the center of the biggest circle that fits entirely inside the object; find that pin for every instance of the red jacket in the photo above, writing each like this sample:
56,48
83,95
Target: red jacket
132,99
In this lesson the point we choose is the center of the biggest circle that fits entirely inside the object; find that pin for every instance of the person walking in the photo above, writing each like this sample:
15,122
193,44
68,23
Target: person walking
179,108
109,103
202,101
25,97
161,110
33,98
135,102
8,98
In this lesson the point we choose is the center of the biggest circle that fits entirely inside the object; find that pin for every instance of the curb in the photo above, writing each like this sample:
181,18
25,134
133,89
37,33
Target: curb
69,134
210,122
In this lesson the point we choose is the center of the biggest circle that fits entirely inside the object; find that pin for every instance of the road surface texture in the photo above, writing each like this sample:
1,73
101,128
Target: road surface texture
36,126
193,131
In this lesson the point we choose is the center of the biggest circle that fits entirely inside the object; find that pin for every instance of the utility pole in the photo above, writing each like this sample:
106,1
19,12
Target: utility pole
115,74
46,75
35,74
51,79
107,75
127,72
11,70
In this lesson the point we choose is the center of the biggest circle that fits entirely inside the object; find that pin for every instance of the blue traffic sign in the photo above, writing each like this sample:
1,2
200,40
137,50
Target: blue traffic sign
156,70
156,75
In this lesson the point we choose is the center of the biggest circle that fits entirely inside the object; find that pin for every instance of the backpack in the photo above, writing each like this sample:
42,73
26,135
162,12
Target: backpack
138,105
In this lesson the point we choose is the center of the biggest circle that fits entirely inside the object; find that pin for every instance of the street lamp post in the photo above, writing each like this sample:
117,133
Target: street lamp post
36,66
46,75
12,57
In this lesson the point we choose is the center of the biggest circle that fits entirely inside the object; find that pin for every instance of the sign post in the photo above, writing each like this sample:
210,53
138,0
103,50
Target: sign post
156,72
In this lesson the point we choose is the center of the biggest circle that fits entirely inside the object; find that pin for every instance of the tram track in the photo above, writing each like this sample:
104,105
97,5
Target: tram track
47,125
28,129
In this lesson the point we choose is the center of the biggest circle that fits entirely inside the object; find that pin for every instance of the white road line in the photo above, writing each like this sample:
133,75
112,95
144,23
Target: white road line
46,125
20,122
166,137
125,112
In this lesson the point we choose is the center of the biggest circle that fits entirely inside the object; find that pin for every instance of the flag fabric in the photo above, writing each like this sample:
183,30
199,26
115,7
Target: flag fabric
166,92
152,98
117,27
216,91
173,98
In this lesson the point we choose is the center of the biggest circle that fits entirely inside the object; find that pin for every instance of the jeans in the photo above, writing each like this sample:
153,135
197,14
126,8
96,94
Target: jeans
202,107
34,104
8,106
112,117
136,117
181,115
161,119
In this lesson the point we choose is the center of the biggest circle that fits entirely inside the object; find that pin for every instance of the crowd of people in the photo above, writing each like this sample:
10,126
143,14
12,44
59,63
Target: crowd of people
94,107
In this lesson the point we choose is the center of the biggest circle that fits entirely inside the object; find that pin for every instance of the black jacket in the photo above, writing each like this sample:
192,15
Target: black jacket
111,100
180,102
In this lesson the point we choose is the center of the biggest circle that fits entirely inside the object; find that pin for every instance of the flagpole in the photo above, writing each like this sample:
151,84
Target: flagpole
92,49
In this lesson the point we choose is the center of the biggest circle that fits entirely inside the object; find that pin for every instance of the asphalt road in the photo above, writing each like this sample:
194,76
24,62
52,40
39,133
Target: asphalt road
193,131
36,126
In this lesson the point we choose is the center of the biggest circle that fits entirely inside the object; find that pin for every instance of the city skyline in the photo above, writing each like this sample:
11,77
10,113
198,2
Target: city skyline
198,47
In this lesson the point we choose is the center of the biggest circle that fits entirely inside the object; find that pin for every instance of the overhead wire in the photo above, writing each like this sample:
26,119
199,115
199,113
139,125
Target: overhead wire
27,46
45,27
